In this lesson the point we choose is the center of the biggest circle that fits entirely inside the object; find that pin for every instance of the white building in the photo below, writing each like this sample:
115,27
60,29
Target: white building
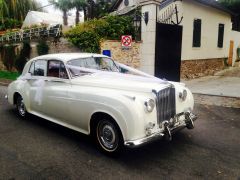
206,33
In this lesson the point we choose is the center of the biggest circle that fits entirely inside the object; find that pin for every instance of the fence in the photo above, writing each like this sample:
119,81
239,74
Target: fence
31,33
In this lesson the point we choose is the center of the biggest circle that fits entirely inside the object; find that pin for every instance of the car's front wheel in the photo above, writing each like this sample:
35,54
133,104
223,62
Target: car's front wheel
108,136
21,109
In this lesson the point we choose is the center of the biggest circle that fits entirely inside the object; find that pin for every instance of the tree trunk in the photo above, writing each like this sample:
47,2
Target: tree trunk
85,13
65,18
77,16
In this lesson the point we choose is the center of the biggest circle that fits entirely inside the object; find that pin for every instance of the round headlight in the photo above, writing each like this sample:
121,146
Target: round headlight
183,95
149,104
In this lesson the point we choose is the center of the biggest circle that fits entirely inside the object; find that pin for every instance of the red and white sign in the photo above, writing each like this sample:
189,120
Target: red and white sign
126,41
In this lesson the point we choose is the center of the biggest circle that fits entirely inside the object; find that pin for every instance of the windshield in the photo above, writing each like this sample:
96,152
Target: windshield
81,66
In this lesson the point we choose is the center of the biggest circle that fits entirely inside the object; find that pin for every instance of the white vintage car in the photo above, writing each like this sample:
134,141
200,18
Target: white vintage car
94,95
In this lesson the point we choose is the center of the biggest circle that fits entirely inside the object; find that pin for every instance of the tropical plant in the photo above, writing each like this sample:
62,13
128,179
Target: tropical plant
3,10
64,6
79,5
18,9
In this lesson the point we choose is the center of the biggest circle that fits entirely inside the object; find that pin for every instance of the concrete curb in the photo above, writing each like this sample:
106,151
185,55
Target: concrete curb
215,100
215,95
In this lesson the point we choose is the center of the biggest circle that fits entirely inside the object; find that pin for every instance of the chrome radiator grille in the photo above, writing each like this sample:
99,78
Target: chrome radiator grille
166,107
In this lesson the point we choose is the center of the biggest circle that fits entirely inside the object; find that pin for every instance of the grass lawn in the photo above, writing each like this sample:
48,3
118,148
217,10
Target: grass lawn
9,75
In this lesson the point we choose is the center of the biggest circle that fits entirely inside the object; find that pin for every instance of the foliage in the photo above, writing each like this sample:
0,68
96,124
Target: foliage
64,6
91,8
8,55
10,23
9,75
16,9
3,10
79,5
23,56
102,8
87,36
42,48
233,5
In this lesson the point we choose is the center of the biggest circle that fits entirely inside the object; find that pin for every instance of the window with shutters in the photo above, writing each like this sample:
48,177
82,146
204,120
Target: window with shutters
197,27
220,35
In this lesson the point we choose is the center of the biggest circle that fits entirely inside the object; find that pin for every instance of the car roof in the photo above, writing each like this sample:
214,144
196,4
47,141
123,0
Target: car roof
67,56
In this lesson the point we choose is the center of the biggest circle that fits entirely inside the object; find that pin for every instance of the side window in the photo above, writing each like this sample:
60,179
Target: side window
220,35
40,67
197,28
63,72
57,69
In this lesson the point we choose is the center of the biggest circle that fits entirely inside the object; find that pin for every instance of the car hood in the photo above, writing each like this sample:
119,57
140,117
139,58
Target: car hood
121,81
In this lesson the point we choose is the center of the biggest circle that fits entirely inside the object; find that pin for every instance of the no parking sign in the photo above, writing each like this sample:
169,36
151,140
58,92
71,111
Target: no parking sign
126,41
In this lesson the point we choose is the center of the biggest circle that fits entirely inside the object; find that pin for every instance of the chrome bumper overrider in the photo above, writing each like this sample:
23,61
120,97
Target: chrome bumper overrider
189,119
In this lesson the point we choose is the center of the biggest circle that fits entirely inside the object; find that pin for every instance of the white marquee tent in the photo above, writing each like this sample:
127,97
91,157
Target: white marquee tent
38,18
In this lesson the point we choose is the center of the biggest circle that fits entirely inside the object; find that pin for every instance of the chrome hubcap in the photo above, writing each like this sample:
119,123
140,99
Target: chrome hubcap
21,107
107,135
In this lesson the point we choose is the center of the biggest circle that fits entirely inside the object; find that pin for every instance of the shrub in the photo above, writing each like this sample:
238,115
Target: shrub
87,36
23,56
10,24
42,48
8,55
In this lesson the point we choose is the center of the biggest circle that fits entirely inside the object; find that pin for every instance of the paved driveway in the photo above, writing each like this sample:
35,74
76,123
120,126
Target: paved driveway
37,149
224,83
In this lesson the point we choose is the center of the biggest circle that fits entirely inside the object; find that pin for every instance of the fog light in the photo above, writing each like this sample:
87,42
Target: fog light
149,128
149,104
183,95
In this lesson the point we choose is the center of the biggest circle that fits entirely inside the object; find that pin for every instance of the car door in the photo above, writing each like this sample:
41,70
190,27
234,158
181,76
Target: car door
35,84
55,92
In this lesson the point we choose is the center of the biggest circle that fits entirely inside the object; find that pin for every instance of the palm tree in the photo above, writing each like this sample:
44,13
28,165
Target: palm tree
18,9
64,6
3,10
79,5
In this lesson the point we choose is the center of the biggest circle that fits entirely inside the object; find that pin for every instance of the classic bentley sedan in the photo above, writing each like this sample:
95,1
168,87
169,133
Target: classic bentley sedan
92,94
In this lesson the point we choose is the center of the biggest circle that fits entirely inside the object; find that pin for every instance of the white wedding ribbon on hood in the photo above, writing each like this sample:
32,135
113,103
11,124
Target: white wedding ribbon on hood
135,75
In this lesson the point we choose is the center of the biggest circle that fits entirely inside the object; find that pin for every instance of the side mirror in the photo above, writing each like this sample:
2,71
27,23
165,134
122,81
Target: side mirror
27,76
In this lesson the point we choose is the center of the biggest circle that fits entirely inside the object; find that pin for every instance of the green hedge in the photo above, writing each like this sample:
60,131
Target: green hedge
87,36
9,75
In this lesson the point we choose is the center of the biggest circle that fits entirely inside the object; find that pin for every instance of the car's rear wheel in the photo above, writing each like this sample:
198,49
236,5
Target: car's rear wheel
108,136
21,109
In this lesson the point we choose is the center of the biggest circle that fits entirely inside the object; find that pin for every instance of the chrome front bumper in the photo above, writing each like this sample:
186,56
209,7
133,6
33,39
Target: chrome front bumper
189,119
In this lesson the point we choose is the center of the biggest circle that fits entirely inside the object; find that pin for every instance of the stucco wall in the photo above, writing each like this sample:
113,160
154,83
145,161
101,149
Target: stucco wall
235,36
149,39
211,18
130,57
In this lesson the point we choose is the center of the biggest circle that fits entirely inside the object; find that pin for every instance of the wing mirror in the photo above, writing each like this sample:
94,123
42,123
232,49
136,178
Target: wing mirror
27,76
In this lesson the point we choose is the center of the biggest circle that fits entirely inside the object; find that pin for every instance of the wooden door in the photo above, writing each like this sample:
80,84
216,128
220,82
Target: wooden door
230,58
